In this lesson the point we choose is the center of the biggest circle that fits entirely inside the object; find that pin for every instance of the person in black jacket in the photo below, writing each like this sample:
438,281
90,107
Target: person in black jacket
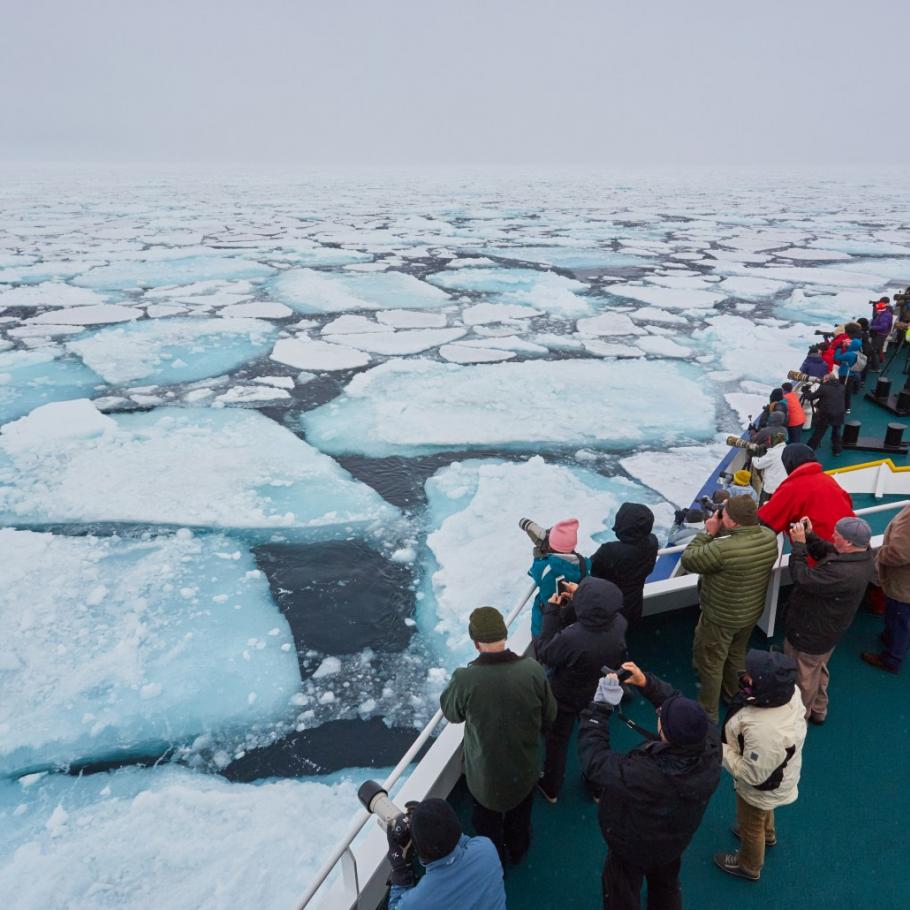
823,602
582,631
829,407
654,797
630,559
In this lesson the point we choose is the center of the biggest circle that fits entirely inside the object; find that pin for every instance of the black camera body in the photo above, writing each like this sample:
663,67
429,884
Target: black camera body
710,506
622,674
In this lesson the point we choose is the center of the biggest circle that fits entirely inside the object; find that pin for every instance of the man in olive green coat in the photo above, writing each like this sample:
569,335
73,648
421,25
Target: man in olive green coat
505,703
734,557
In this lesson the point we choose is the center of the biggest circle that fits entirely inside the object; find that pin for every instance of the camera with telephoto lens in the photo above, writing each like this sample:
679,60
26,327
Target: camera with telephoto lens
711,507
540,537
622,674
375,799
902,296
826,335
799,376
751,447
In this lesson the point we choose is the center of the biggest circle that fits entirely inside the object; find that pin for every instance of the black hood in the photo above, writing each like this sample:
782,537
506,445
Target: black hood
796,454
773,678
596,602
633,522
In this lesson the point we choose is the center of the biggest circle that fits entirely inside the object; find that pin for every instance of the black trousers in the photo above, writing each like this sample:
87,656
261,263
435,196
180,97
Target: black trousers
510,831
622,885
820,426
557,747
877,344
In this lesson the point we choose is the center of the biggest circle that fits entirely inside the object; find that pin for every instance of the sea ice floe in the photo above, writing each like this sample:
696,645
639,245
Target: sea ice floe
813,255
668,298
405,341
122,647
411,319
97,314
478,553
569,257
662,347
352,324
168,837
394,408
677,474
259,309
752,288
307,354
143,273
608,324
483,313
31,378
836,307
463,353
309,291
174,350
50,293
228,468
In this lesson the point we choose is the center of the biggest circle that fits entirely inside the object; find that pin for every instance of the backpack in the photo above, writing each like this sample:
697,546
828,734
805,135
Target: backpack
860,363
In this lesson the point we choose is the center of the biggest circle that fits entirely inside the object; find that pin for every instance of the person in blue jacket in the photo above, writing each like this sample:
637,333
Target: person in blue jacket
845,358
554,558
461,873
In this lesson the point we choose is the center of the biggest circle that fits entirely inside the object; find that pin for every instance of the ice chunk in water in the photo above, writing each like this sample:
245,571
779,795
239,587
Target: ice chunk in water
32,378
308,291
174,350
115,647
407,341
480,554
219,468
306,354
395,408
168,837
677,474
88,315
51,293
133,275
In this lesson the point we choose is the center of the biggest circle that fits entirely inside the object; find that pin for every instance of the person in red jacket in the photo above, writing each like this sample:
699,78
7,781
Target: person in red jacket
806,491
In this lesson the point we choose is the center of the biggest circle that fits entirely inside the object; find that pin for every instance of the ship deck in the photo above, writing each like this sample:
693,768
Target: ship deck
842,844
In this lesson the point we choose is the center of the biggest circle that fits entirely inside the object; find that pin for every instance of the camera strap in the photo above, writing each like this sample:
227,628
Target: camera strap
641,731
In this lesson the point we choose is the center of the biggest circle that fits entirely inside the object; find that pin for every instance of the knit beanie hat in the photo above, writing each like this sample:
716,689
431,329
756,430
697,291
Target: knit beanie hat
742,510
796,454
855,531
564,536
742,478
435,829
486,625
683,721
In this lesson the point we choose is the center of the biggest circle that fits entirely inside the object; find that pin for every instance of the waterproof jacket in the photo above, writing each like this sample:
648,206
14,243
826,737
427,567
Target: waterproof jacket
469,878
777,423
756,744
574,651
630,559
773,472
825,596
807,491
735,568
828,401
505,703
653,798
796,415
882,322
846,356
545,570
893,559
815,365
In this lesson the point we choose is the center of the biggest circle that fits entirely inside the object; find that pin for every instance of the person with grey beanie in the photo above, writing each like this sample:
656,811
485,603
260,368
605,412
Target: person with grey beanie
824,600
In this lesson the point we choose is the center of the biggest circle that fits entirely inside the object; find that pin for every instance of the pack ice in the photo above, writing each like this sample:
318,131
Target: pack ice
395,408
150,273
167,351
112,647
66,462
478,554
167,837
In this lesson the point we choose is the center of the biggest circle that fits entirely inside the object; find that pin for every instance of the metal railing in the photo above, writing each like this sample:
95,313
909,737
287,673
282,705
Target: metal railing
342,852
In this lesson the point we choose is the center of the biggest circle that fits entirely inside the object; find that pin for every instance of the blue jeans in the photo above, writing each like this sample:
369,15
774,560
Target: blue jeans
897,632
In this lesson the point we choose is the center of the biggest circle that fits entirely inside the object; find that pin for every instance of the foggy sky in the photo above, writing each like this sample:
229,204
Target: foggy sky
468,82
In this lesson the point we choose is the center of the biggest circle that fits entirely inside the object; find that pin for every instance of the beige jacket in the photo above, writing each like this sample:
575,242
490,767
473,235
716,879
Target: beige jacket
767,734
893,559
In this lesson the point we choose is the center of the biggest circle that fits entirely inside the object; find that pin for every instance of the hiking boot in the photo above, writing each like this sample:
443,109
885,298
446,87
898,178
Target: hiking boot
729,862
546,795
817,719
876,660
735,832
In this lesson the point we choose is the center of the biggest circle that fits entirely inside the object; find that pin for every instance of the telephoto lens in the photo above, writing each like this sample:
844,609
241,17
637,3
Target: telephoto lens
376,801
538,536
798,376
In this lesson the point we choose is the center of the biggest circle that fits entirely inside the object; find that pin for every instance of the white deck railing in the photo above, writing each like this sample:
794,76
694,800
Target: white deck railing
667,594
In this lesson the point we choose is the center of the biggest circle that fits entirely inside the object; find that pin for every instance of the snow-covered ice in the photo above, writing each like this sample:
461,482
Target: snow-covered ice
677,474
117,647
187,466
307,354
149,274
394,408
50,293
405,341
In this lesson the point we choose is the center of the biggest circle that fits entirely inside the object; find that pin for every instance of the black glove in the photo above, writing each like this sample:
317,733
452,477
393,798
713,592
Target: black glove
679,516
398,835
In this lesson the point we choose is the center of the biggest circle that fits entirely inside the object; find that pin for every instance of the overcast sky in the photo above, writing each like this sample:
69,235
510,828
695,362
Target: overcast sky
474,81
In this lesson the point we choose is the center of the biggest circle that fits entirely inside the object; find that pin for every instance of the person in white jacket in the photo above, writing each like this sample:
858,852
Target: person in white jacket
762,749
773,472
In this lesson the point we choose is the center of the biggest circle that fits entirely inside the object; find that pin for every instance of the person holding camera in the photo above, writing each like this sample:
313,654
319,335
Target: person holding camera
829,406
879,330
653,797
583,629
773,473
630,559
823,602
687,523
734,558
763,737
554,558
814,365
506,704
460,872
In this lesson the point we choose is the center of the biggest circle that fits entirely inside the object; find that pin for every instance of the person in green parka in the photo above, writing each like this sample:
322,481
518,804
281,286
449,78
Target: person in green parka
505,703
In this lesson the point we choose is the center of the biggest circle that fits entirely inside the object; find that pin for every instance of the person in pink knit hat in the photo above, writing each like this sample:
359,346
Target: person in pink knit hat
554,558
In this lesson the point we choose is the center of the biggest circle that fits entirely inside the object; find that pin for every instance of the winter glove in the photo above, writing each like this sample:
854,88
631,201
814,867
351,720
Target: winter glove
398,835
609,692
